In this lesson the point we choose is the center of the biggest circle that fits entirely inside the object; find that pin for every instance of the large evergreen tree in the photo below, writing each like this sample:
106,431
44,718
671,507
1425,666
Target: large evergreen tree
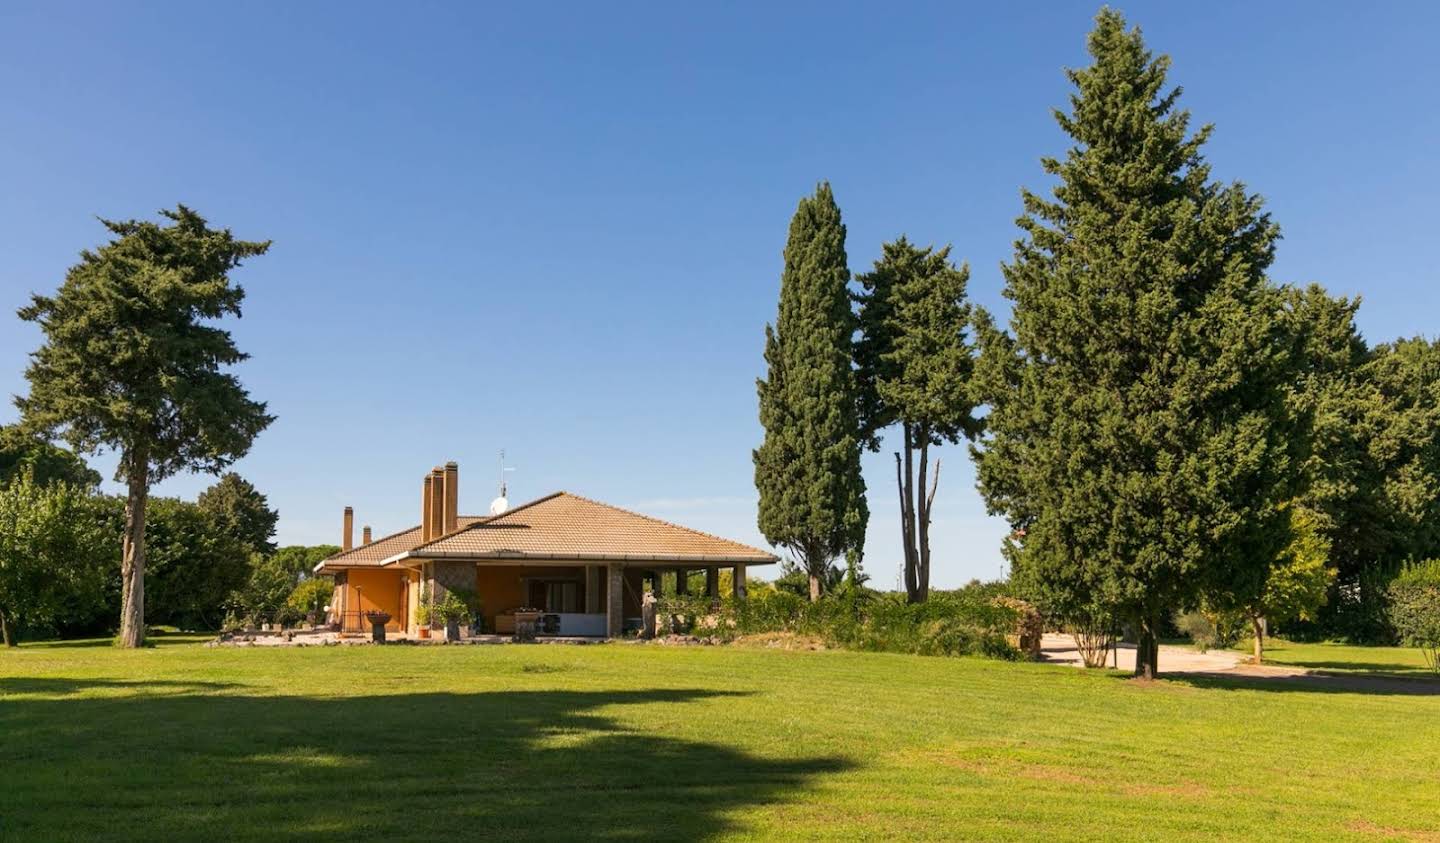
1139,435
130,365
913,363
807,469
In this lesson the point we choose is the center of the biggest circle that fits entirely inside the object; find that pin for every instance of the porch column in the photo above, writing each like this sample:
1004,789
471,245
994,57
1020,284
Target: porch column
682,582
592,589
712,583
615,600
738,582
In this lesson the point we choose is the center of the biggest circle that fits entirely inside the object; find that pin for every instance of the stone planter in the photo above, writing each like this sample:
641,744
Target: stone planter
452,629
377,625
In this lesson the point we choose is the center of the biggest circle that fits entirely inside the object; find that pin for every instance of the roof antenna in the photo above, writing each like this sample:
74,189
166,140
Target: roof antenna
501,503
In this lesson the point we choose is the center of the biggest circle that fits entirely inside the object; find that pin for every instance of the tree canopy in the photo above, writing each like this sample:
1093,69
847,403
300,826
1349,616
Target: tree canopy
242,511
53,555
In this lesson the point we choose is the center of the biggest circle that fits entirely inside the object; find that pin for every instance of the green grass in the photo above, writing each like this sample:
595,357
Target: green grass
181,742
1344,658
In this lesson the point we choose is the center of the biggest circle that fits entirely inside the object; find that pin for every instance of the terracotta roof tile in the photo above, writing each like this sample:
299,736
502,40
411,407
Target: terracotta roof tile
372,554
566,526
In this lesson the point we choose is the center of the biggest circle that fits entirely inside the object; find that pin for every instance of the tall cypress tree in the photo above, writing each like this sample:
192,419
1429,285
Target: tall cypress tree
807,469
1139,437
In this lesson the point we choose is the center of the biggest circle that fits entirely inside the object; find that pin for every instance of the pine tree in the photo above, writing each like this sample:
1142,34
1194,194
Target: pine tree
914,363
1139,438
807,469
130,365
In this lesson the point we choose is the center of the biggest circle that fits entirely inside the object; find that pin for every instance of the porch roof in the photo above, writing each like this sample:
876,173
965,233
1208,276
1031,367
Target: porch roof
564,526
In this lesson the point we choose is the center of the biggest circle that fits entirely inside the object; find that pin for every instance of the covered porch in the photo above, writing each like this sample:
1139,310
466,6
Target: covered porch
575,598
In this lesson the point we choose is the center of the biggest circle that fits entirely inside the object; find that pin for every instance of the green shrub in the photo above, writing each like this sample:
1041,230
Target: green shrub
311,596
450,608
1198,628
1415,608
966,621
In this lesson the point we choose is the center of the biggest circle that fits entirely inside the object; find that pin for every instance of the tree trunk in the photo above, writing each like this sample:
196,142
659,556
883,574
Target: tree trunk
814,589
1258,623
907,517
132,559
5,634
1147,650
926,503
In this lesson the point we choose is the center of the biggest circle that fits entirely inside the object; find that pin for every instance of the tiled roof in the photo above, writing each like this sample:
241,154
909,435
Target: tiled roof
372,554
566,526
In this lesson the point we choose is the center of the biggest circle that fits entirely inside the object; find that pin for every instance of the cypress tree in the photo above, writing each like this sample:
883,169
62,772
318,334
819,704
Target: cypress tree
807,469
1139,438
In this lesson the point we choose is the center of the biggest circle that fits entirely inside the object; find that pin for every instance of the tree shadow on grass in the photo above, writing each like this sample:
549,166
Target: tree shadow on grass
63,687
516,764
1314,683
1371,668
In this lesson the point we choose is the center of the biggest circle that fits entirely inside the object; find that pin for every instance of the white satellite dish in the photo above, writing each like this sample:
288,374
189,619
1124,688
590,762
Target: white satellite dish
502,503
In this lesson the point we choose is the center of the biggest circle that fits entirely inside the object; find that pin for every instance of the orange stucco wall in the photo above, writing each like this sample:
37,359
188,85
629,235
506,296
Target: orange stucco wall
367,591
501,588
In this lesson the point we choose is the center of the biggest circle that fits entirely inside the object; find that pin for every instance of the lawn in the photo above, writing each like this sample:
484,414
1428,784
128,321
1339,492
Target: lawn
1344,658
654,742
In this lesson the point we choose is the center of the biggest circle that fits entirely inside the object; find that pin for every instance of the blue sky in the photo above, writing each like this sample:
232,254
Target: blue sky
556,228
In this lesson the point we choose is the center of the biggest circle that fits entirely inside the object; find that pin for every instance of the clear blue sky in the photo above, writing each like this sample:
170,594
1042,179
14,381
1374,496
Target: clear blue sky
557,228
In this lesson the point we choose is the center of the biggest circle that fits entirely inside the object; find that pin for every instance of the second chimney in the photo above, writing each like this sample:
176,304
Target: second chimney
437,502
347,536
452,498
365,535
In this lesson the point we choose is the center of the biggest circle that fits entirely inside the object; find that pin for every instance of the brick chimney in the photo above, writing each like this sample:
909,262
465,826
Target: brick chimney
437,502
365,535
347,536
425,504
452,498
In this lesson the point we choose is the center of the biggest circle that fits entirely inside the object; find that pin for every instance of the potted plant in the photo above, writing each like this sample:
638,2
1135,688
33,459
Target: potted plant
423,617
473,606
452,610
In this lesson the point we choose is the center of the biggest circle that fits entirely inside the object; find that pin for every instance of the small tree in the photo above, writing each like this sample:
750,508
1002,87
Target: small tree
807,469
1298,580
1415,609
914,360
267,591
311,595
130,365
53,549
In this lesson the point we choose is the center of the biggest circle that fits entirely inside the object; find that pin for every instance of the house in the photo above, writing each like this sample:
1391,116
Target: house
582,562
